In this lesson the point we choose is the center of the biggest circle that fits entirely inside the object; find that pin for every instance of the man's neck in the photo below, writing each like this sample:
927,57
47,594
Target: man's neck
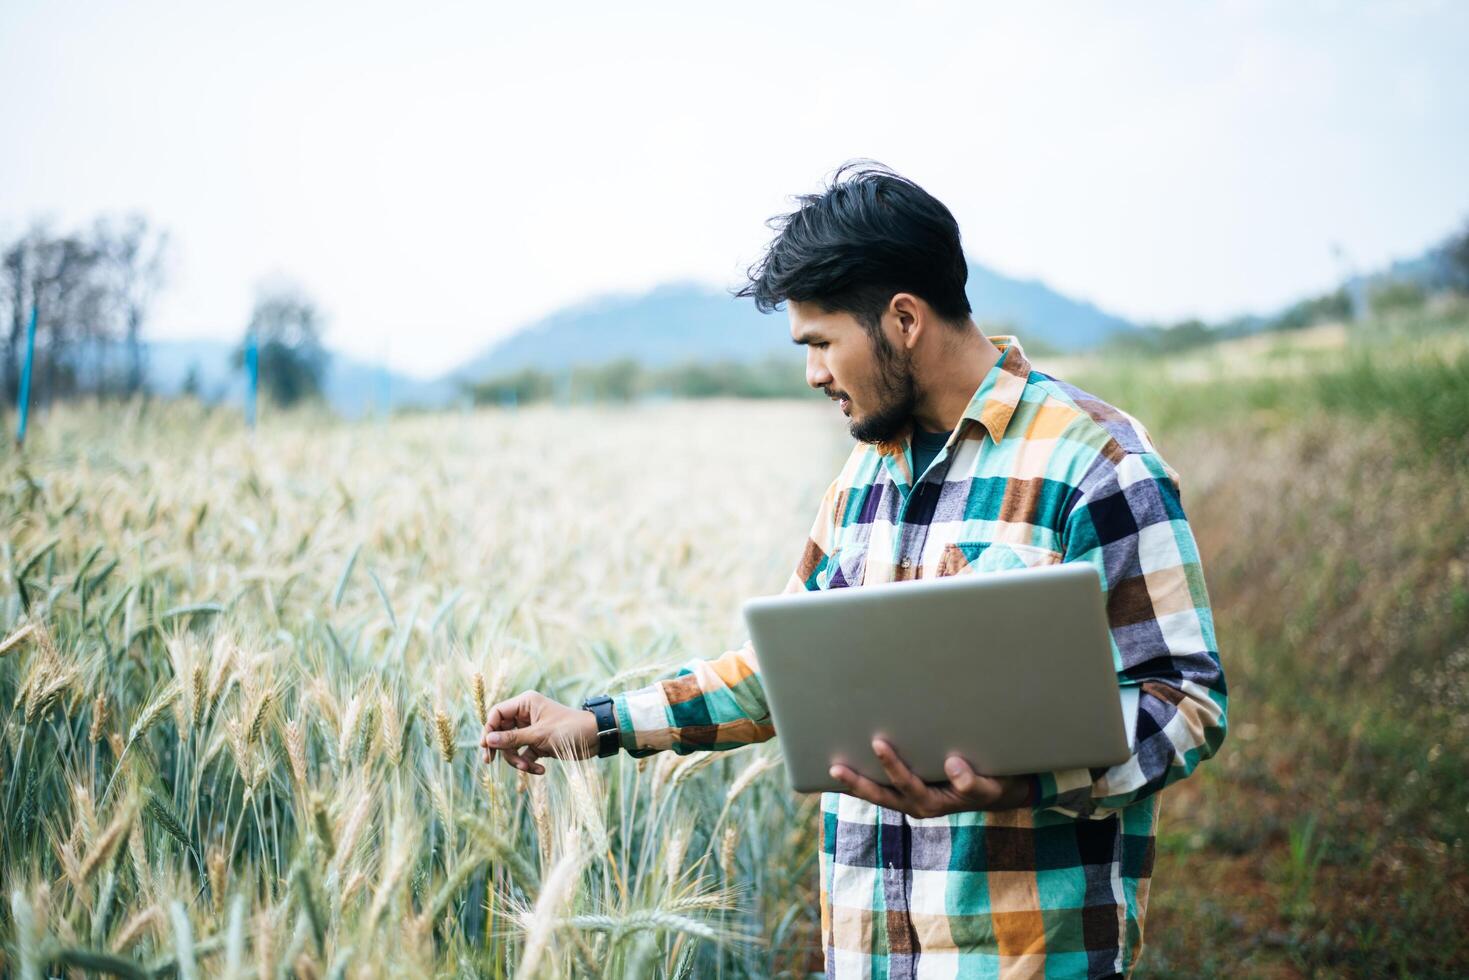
952,373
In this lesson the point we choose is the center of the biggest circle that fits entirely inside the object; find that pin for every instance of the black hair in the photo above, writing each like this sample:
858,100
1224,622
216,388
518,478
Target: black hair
868,235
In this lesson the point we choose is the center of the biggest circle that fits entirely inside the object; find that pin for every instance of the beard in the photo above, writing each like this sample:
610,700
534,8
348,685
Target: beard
896,396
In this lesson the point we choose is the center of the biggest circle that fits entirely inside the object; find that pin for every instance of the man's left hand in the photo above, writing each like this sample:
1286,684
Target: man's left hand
965,790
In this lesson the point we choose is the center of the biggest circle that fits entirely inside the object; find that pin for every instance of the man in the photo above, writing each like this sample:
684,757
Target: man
968,460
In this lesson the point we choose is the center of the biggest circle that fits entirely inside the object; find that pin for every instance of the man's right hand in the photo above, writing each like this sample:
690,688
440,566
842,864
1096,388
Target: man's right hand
531,725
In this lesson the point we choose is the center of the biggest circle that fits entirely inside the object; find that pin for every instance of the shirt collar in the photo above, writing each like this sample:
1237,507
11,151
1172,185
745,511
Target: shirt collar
998,395
994,401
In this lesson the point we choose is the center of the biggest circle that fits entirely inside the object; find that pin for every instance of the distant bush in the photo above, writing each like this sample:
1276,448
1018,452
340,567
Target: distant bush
1396,296
626,380
616,381
771,378
1335,305
1161,340
1430,393
520,387
1426,391
1454,260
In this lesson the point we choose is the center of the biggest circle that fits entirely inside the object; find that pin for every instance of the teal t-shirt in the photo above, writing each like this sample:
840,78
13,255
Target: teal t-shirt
926,446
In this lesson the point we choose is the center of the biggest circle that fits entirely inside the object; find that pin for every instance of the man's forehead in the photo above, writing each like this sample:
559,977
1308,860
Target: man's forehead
808,320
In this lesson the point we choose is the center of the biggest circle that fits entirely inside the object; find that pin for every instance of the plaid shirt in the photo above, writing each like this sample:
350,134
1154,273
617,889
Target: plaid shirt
1037,472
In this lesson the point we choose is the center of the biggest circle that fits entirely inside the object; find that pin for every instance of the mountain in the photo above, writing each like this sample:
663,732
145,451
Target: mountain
686,322
681,322
671,324
1036,311
1429,270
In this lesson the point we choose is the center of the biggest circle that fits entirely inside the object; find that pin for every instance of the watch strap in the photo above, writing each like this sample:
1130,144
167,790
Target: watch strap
609,736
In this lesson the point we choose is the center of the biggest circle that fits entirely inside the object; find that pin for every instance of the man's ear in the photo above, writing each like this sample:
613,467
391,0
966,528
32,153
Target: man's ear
910,314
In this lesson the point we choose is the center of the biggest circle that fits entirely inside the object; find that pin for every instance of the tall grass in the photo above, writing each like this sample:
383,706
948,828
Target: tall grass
1327,490
245,681
1427,393
1415,380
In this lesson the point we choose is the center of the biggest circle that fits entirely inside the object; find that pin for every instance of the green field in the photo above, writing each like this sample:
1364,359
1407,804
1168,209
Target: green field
244,676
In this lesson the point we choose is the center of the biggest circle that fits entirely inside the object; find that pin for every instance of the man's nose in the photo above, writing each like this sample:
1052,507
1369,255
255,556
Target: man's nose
817,376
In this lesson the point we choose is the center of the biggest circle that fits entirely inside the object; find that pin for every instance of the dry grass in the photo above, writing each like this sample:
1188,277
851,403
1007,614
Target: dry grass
247,677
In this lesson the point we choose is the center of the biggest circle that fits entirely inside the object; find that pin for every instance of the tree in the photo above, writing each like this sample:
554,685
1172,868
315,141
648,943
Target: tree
58,277
286,326
192,387
134,255
15,281
1455,260
520,388
91,291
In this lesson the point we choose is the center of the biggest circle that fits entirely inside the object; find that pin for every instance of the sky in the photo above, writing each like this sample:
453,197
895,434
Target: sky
437,175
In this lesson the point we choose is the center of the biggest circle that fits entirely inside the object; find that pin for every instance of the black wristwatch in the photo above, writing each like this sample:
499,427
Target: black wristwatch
609,736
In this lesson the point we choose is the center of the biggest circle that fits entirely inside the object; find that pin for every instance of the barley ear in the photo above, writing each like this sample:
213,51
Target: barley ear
12,641
540,810
296,749
99,719
133,929
444,735
163,815
107,842
392,728
481,706
218,871
322,824
727,848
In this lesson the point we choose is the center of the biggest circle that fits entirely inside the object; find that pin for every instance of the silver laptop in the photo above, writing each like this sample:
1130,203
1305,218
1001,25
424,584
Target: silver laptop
1012,670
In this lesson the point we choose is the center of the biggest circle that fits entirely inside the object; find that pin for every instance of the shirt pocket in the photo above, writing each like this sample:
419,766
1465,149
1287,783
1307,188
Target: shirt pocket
966,557
845,567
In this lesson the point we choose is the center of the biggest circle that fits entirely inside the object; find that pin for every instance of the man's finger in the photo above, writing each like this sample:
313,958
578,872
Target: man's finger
514,738
968,783
507,715
863,788
527,761
511,713
905,780
960,773
516,760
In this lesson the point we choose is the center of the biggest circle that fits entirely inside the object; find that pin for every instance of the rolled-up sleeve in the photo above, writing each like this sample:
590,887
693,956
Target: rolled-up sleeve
720,703
1126,520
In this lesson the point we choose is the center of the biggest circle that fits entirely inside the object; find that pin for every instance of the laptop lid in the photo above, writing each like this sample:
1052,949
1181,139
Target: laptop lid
1013,670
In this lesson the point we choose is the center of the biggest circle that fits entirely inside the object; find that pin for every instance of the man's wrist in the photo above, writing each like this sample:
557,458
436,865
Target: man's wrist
608,734
1019,791
1032,789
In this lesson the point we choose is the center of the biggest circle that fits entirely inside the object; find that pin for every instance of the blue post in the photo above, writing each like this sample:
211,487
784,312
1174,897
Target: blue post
252,377
25,379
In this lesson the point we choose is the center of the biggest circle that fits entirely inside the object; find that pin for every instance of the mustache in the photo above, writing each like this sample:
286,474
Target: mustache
834,394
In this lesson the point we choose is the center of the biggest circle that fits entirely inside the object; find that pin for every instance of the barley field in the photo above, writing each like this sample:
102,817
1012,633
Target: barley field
248,677
243,677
